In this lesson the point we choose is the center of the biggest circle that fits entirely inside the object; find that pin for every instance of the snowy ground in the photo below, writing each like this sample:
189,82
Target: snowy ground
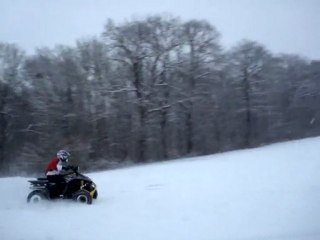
267,193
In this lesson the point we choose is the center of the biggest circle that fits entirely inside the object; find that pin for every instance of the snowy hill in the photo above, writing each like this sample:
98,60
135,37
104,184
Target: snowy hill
266,193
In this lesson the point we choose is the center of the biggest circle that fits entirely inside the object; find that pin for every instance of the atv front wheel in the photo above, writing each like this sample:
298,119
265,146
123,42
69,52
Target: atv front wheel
82,196
37,196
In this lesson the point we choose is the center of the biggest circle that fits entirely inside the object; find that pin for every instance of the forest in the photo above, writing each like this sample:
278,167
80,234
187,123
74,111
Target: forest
150,89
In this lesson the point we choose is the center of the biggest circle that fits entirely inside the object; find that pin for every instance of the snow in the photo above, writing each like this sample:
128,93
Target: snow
267,193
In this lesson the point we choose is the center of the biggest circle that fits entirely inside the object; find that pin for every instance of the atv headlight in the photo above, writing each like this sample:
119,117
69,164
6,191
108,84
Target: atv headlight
93,185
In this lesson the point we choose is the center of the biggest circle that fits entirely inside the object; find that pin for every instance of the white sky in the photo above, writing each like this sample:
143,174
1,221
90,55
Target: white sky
289,26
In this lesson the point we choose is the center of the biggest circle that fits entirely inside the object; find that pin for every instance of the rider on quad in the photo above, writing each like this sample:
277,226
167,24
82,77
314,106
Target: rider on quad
60,183
56,171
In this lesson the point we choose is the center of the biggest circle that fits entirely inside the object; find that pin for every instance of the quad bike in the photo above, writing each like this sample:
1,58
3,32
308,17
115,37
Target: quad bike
77,187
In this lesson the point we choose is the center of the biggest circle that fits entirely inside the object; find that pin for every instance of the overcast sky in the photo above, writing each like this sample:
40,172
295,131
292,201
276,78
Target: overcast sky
289,26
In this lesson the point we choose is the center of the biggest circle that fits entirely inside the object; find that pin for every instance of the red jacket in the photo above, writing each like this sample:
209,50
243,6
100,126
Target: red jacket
53,166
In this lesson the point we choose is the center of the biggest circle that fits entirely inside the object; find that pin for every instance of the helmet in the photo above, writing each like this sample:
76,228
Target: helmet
63,155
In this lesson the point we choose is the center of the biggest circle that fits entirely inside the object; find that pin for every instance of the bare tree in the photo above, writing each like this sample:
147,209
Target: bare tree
201,55
249,62
12,105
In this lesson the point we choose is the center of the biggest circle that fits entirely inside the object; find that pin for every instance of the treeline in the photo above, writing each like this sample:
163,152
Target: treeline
150,89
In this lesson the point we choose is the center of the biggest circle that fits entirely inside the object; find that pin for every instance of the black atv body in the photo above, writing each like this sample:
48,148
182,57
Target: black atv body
75,186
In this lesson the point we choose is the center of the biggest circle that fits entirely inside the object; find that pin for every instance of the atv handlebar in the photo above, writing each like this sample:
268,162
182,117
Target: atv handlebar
74,168
70,170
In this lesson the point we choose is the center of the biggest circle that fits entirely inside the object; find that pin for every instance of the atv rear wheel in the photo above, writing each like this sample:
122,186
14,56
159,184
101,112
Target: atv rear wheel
82,196
37,196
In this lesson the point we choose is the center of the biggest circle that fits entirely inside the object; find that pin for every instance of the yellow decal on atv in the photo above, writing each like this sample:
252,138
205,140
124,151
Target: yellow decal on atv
92,192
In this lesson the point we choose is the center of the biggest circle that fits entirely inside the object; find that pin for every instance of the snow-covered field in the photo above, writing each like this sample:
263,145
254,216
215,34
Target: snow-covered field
266,193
